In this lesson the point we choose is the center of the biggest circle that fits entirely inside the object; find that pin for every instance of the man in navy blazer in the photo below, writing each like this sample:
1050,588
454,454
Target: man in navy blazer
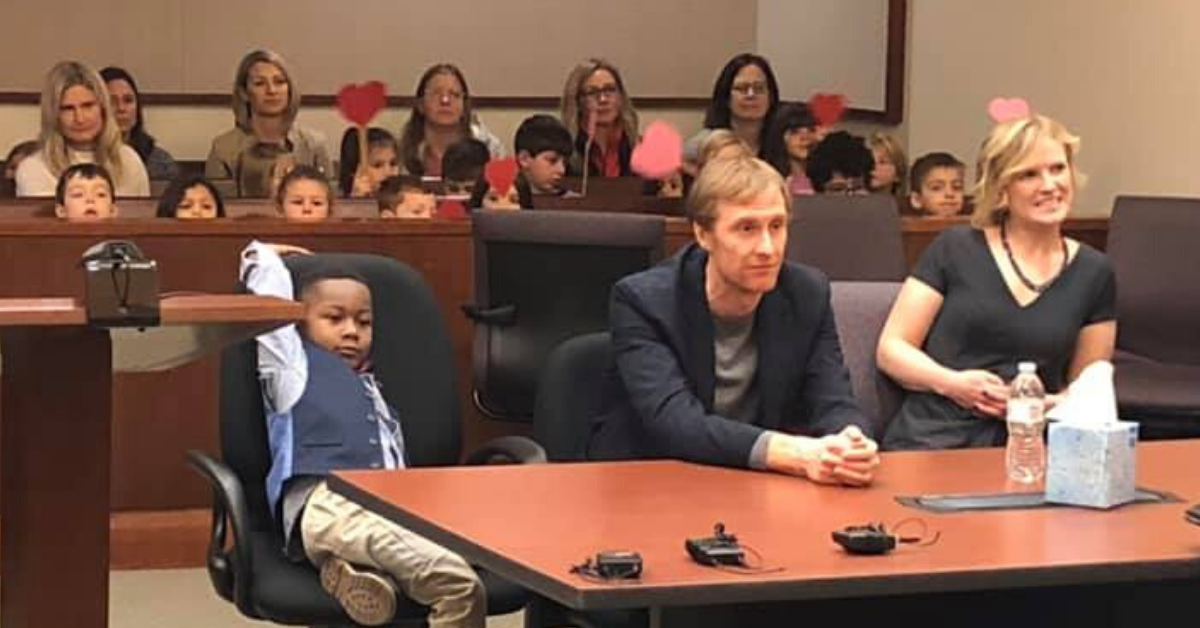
727,354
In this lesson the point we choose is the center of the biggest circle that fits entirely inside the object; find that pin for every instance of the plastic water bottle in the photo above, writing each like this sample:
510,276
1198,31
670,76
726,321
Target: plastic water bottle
1025,456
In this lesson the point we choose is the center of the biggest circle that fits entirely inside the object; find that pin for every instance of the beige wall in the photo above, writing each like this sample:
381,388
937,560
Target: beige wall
187,131
823,46
512,48
1122,75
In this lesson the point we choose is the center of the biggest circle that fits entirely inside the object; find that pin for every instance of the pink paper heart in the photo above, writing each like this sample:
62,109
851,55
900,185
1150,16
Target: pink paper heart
360,103
500,174
828,109
660,154
1004,110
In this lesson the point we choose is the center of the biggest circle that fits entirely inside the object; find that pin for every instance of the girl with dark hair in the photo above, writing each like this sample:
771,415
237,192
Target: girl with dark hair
791,134
191,198
127,107
744,98
382,162
441,115
304,195
517,196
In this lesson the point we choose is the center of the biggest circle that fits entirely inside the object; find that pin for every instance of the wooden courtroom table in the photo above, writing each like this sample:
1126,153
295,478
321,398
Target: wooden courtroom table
529,524
158,416
56,433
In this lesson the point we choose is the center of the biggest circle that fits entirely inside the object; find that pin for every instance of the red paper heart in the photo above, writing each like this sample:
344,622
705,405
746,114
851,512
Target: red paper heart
661,152
500,174
451,210
1006,109
360,103
828,109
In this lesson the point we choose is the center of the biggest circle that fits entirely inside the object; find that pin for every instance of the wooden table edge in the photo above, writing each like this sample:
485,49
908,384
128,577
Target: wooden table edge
618,596
473,553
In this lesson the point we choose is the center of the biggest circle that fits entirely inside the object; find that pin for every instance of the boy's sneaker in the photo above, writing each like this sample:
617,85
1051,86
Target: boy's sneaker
369,598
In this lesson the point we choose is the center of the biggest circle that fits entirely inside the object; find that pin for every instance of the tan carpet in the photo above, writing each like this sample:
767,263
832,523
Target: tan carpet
183,598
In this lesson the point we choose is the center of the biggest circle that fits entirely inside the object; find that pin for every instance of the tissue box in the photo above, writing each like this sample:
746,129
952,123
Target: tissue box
1092,465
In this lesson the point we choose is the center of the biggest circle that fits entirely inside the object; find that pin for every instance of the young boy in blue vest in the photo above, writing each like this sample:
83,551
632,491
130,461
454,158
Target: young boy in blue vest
325,412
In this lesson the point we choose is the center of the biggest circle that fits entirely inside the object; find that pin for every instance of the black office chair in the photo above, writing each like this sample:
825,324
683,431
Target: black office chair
850,238
542,277
1152,245
412,359
569,395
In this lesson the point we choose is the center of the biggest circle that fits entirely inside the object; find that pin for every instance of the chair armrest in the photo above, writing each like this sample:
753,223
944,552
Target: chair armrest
229,569
501,316
509,450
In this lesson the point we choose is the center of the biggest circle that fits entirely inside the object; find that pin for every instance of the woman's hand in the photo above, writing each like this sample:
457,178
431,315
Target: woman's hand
980,391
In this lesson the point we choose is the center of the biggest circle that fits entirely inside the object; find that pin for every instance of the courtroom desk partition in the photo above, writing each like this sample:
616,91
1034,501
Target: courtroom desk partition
918,233
625,204
56,433
139,208
160,415
607,187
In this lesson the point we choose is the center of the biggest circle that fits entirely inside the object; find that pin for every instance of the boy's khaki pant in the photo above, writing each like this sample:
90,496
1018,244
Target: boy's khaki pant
332,525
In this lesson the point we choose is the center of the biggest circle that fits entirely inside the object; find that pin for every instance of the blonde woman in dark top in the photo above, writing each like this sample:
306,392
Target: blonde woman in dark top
1010,287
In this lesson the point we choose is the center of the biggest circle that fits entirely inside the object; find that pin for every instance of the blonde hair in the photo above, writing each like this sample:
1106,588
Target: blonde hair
242,113
107,150
1003,153
717,141
895,152
738,179
572,114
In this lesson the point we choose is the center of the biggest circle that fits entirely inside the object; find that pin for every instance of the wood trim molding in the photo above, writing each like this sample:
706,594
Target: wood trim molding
158,539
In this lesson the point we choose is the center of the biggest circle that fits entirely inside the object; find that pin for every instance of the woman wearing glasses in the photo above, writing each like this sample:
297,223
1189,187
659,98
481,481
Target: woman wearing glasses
594,88
744,98
441,115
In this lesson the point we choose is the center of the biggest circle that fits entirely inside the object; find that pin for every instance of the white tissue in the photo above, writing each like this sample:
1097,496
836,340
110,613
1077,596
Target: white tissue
1091,399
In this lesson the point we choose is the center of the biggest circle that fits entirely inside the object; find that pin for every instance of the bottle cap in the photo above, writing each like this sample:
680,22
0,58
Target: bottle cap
1027,367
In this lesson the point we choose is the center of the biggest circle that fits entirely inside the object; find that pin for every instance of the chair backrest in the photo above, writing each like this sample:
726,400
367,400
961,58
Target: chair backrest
850,238
1153,245
411,358
555,269
861,308
569,395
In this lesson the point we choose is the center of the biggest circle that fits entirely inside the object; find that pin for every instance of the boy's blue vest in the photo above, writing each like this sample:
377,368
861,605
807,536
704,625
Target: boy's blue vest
336,426
333,426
